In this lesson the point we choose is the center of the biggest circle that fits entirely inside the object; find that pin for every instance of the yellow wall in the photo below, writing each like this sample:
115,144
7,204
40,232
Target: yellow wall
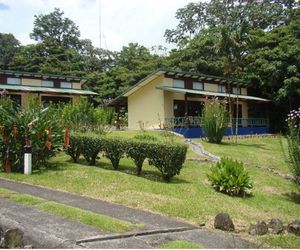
31,82
244,91
76,85
147,105
211,87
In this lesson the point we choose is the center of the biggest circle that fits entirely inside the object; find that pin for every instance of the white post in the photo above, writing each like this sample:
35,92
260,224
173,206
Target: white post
27,160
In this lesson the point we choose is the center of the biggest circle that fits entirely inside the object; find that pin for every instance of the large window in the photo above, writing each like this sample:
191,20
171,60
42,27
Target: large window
198,85
55,99
236,90
66,85
17,99
222,88
46,83
178,83
13,80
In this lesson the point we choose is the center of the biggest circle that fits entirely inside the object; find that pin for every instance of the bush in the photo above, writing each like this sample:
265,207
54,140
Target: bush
138,151
75,147
83,117
214,120
230,177
33,125
294,143
168,159
90,148
114,149
145,137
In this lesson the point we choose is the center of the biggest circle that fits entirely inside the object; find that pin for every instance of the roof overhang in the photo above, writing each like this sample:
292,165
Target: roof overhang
46,90
210,93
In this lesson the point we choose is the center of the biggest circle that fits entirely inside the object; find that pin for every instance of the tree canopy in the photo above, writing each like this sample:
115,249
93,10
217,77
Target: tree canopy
256,41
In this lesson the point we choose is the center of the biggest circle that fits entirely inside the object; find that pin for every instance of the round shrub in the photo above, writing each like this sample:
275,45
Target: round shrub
230,177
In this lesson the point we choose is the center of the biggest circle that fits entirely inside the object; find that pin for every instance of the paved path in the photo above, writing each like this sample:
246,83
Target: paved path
51,231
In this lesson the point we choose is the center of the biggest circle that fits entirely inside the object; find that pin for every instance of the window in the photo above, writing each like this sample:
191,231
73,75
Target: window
17,99
47,83
236,90
222,88
13,80
178,83
66,85
198,85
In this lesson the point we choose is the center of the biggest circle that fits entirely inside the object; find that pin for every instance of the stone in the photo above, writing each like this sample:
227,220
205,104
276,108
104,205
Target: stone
294,227
223,222
13,238
1,232
28,247
260,228
275,226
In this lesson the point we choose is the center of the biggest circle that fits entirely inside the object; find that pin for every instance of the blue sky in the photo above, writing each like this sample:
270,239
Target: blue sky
123,21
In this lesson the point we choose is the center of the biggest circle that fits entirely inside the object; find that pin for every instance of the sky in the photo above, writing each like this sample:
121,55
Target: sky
122,21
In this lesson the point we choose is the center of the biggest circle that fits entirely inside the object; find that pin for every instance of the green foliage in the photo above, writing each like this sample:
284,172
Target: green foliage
75,147
90,148
138,151
83,117
294,143
230,177
145,137
9,46
167,158
214,120
32,125
114,149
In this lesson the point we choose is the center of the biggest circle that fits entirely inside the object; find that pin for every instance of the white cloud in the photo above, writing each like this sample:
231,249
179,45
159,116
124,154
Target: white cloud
123,21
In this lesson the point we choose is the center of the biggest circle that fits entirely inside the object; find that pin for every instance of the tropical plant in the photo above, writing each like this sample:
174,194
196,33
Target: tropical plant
214,120
33,126
230,177
294,143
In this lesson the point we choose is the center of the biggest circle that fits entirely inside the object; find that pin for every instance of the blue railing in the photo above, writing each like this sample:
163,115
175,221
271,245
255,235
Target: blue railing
196,121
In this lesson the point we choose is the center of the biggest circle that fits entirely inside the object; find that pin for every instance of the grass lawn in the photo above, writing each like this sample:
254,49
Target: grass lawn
180,244
102,222
189,196
257,151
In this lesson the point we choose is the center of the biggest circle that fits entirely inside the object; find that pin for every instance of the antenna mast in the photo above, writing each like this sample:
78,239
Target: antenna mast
100,37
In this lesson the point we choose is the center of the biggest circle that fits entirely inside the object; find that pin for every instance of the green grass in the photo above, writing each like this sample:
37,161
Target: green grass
102,222
258,151
189,196
180,244
279,241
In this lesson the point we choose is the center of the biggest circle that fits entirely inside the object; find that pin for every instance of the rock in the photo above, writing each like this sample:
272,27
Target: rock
201,224
28,247
294,227
260,228
275,226
1,232
223,222
13,238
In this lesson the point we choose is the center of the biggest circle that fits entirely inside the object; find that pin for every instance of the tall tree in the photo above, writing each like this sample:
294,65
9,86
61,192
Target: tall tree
55,27
9,46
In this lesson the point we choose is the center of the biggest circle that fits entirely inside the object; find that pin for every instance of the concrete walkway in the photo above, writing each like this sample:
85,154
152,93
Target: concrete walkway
51,231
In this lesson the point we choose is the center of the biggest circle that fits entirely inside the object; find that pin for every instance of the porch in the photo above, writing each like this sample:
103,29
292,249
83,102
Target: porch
191,126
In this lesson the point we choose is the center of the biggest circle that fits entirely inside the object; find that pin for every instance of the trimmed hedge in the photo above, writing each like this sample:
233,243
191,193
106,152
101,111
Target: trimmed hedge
167,158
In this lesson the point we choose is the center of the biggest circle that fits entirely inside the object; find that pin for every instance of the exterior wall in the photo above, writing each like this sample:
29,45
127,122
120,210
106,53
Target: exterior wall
31,82
211,87
244,91
146,105
76,85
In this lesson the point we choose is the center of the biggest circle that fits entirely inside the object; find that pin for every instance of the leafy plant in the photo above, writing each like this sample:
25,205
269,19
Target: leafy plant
35,126
90,148
230,177
74,148
294,143
145,137
167,158
138,151
214,120
114,149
